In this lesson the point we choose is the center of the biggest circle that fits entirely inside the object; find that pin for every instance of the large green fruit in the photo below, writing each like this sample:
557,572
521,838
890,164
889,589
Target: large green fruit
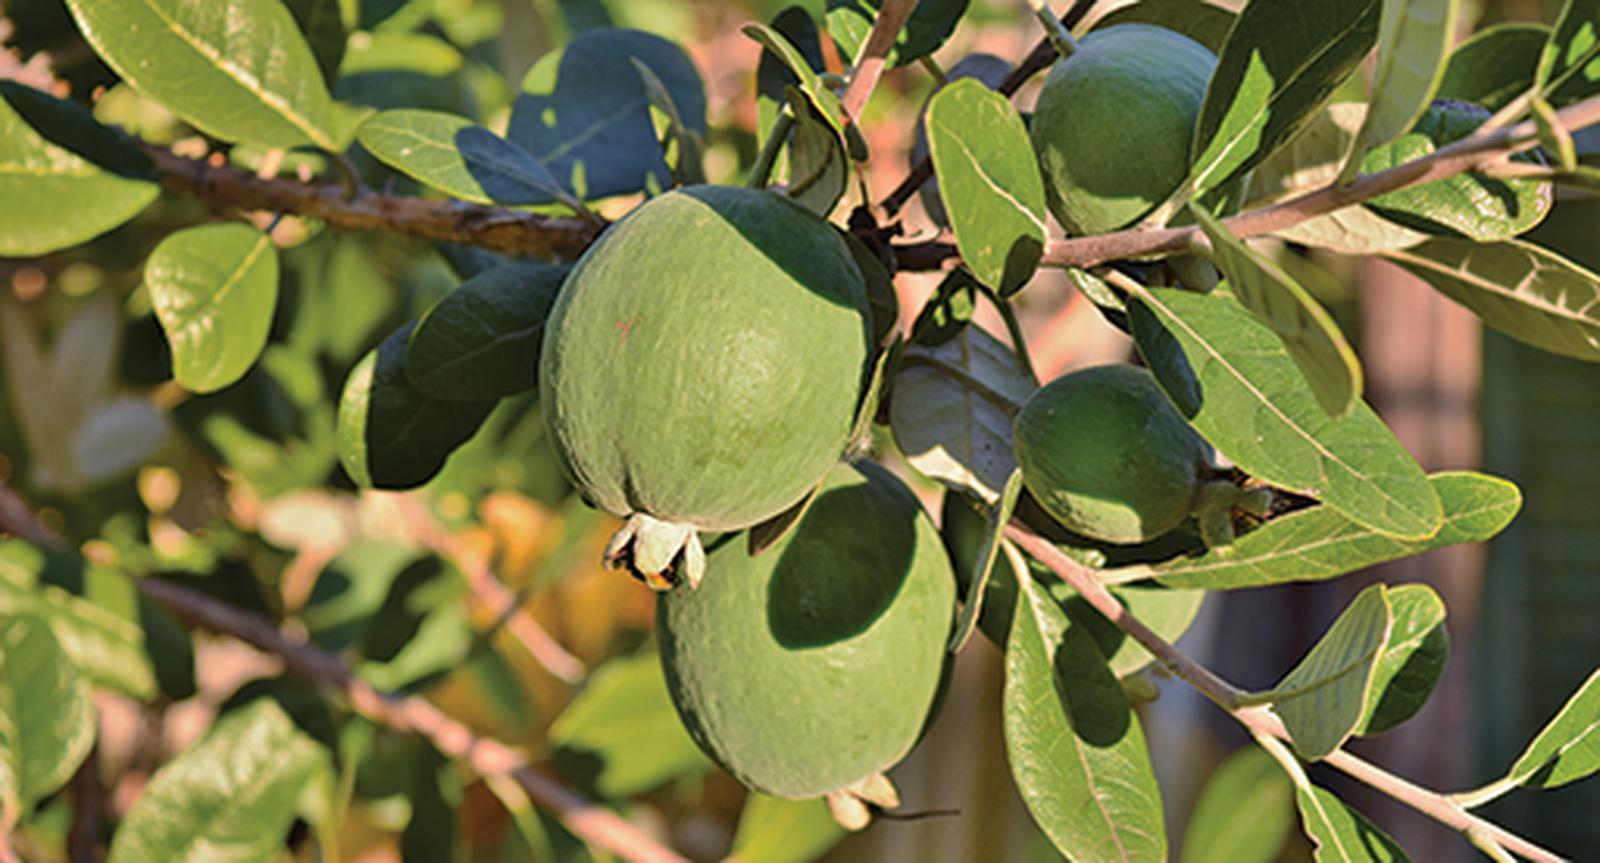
701,368
1113,124
1105,453
815,664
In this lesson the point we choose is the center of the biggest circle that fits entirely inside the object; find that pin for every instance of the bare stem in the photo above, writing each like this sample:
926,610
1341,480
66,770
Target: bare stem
488,757
1261,720
892,16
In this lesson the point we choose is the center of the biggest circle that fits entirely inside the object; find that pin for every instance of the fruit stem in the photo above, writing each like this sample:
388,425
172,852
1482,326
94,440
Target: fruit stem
1054,30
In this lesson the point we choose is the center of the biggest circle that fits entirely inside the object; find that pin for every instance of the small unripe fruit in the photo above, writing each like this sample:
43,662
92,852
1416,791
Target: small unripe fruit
1105,453
702,367
814,665
1113,124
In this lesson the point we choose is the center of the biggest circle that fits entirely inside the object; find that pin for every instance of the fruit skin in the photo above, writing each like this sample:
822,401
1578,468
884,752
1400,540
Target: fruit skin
703,363
1113,124
1105,453
815,664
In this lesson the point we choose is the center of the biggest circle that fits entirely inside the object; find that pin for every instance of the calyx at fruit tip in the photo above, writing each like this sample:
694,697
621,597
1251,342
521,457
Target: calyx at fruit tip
853,806
662,554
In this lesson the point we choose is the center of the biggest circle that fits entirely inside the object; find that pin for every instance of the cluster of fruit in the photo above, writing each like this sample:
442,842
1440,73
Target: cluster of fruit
702,371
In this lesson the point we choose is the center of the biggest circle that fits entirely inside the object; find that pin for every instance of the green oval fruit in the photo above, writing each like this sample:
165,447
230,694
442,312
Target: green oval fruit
1113,124
702,366
815,664
1105,453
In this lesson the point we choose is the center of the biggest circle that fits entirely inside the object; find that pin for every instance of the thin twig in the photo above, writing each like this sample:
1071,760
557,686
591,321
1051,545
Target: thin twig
488,757
1260,719
1474,152
892,15
18,519
502,603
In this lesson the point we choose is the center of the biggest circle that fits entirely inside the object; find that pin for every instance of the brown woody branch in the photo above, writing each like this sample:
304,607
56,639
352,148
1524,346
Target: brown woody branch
892,15
488,757
498,229
1260,719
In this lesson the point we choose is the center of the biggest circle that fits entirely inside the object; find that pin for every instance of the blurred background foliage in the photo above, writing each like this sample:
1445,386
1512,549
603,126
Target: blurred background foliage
238,494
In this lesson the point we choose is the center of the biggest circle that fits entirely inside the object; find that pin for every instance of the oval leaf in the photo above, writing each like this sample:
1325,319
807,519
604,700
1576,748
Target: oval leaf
458,157
1319,543
1234,381
584,113
1413,37
819,170
238,70
1283,60
214,288
774,830
1243,814
1308,332
55,197
989,182
236,789
1568,748
1525,291
1495,66
481,341
1324,698
390,435
46,721
1412,658
1076,749
951,409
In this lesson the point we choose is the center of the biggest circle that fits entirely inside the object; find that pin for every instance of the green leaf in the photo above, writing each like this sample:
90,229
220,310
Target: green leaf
458,157
109,650
65,178
1412,658
1340,833
47,724
584,112
1312,160
621,735
214,289
391,435
1568,748
986,68
322,22
690,169
1483,208
930,24
238,70
793,58
1569,66
1525,291
819,170
1413,38
1308,332
1203,22
1234,381
481,341
988,553
1076,749
951,409
1495,66
235,791
1243,814
774,830
1319,543
989,182
1324,698
1283,60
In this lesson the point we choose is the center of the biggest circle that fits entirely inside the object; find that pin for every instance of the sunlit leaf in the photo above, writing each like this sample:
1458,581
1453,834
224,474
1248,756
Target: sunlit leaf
458,157
47,724
1568,747
214,289
1339,833
1412,660
1324,698
1413,37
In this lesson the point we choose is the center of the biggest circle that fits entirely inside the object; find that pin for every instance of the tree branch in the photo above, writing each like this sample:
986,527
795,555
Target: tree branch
592,823
892,15
499,229
1260,719
1474,152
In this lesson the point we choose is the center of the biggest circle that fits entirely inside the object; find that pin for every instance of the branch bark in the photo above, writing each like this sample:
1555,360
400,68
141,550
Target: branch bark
892,16
1260,719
